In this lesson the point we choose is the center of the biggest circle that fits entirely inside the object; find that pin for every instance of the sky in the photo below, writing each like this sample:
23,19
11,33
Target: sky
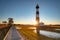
24,11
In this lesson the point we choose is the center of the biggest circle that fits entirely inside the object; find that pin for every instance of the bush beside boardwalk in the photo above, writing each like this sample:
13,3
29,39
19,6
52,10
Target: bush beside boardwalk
3,32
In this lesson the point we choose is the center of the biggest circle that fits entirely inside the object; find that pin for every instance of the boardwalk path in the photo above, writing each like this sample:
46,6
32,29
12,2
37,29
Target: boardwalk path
13,34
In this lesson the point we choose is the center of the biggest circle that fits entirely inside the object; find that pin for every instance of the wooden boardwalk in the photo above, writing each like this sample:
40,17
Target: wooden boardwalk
13,34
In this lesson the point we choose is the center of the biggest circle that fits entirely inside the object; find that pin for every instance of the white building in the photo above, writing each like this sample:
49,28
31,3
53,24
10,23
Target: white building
42,24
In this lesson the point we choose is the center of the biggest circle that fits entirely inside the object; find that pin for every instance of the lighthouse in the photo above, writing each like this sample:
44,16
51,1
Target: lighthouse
37,21
37,14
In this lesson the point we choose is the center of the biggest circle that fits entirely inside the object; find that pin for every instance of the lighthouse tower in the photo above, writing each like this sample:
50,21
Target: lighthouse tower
37,14
37,20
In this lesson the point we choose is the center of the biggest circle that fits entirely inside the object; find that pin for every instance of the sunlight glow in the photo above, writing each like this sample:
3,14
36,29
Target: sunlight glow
35,23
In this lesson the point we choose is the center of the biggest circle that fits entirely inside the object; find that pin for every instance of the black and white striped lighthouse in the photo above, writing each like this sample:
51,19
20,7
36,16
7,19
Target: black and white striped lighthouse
37,21
37,14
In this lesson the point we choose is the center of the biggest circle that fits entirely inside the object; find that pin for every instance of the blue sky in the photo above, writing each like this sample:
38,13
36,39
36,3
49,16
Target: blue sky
24,11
